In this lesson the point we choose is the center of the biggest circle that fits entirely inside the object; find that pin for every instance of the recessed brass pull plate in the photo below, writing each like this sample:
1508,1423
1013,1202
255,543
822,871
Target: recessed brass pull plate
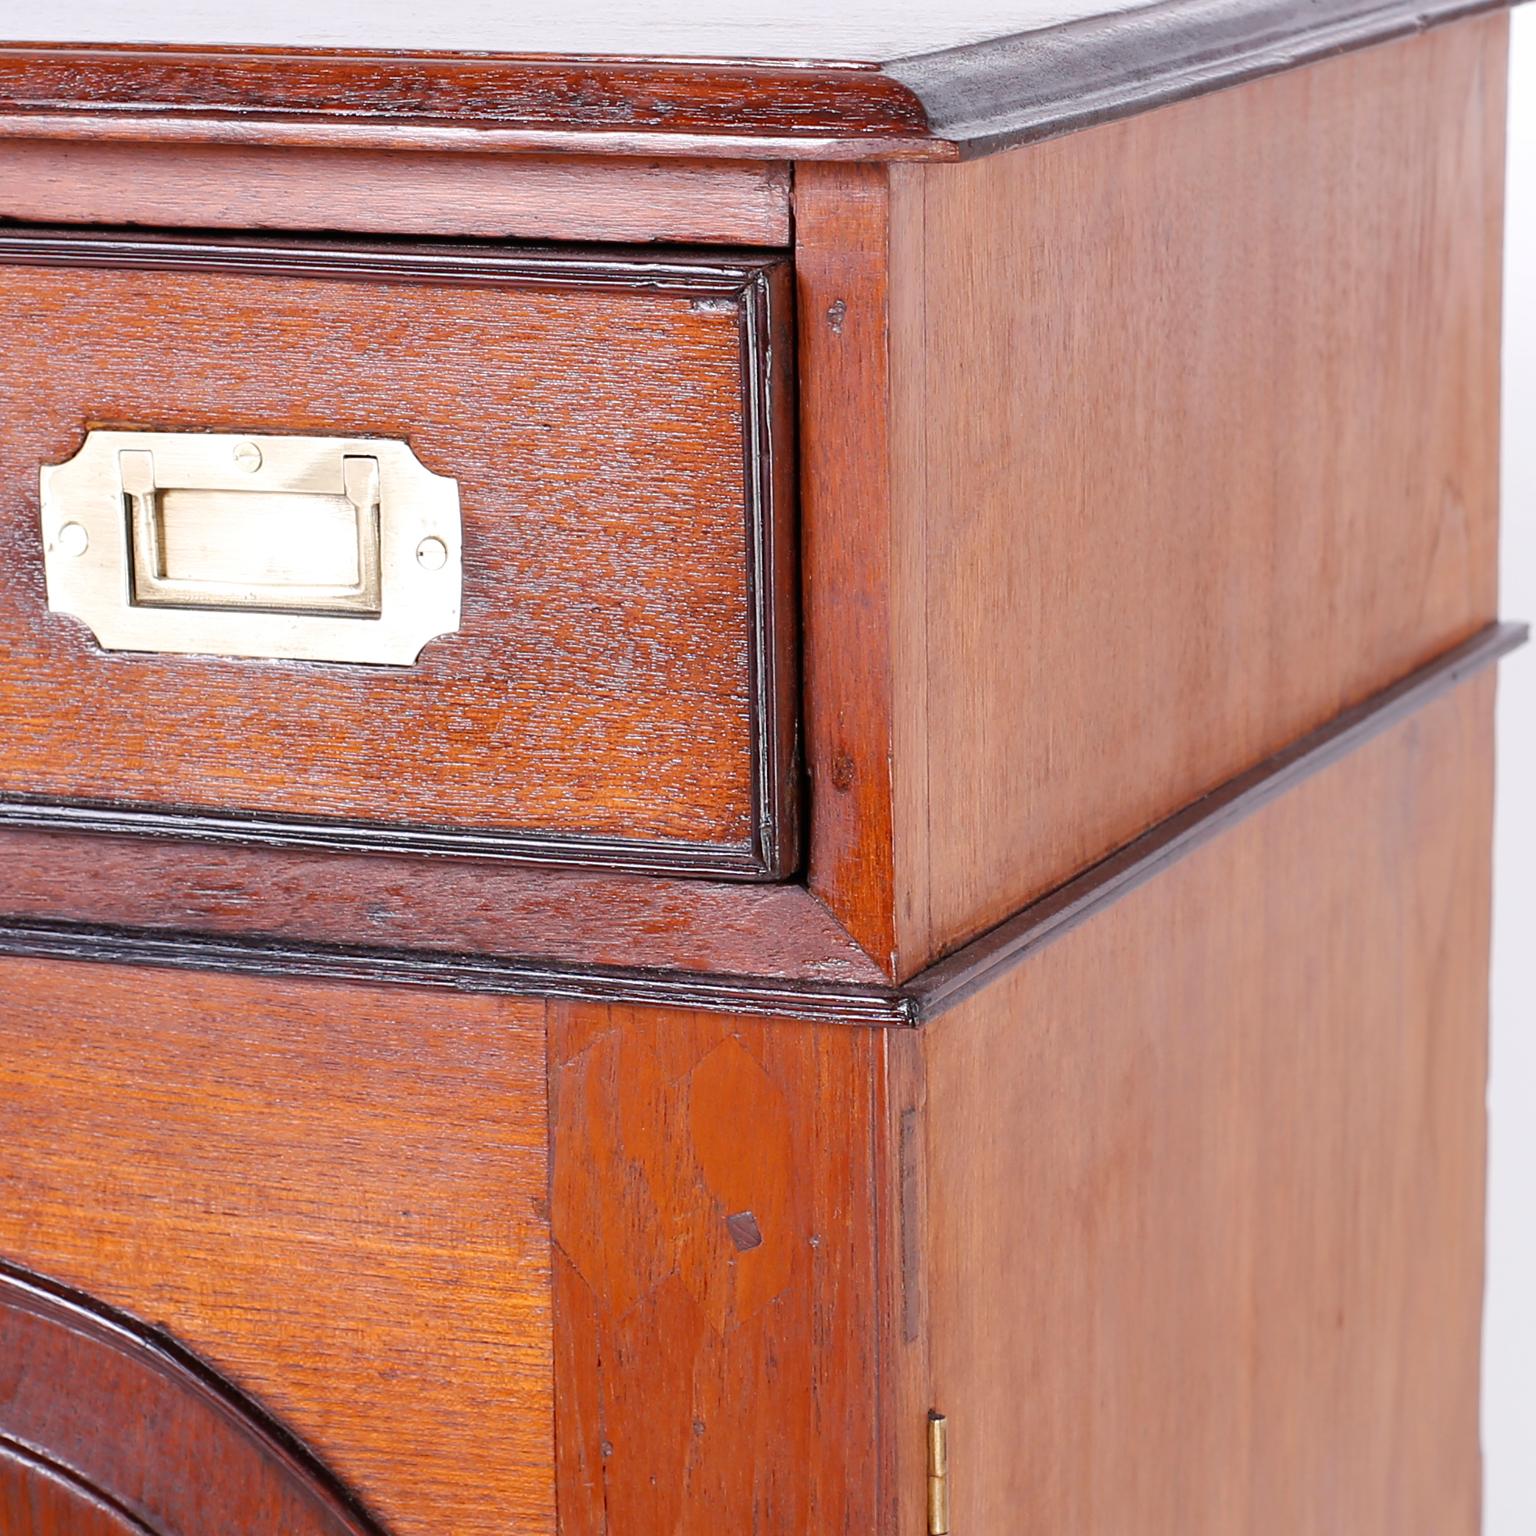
229,544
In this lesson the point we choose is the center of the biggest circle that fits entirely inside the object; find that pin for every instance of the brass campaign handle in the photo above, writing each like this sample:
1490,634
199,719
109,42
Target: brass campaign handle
230,544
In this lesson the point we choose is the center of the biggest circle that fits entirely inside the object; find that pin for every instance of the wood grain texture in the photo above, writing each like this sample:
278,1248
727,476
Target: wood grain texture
791,81
714,1217
37,1500
1203,411
335,1198
1203,1239
848,548
612,696
487,103
107,1426
565,916
527,197
761,950
987,959
906,1389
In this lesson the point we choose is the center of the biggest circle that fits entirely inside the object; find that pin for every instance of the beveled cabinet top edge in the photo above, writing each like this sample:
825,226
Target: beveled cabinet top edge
924,998
1030,71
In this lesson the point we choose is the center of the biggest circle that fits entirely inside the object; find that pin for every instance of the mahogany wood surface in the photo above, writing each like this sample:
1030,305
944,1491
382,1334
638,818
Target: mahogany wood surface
855,81
1194,433
334,1196
850,666
761,950
1202,1243
620,689
715,1188
454,906
37,1500
526,197
106,1426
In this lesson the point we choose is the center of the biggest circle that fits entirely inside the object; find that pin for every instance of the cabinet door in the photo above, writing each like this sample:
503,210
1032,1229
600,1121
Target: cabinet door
332,1195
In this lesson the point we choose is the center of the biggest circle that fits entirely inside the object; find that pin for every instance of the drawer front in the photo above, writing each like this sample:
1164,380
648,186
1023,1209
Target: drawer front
619,689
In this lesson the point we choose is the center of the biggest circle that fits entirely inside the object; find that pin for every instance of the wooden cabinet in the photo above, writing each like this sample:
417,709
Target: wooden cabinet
908,951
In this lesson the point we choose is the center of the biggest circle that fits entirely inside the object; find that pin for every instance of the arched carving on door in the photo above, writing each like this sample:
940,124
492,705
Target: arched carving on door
109,1428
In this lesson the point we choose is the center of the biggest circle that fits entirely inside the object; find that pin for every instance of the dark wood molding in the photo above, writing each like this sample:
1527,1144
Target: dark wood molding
1039,84
805,995
1033,83
998,951
487,101
758,288
64,1418
761,996
772,575
705,275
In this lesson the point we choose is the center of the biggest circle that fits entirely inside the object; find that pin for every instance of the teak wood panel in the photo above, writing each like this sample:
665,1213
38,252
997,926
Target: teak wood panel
1194,443
336,1196
525,197
621,690
1202,1248
714,1198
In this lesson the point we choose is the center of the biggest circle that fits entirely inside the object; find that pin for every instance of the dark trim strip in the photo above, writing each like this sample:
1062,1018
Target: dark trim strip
760,995
635,856
772,848
1001,949
1041,84
479,263
924,998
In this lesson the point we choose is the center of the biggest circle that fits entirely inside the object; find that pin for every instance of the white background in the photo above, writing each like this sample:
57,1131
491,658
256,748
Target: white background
1509,1352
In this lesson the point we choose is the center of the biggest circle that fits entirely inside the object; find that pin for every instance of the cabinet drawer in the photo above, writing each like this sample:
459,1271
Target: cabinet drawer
619,689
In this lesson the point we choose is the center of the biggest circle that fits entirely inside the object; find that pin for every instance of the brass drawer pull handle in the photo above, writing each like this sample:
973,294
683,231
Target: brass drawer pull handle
224,544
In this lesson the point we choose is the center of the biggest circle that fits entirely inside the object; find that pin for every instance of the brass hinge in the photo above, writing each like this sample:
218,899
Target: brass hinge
938,1475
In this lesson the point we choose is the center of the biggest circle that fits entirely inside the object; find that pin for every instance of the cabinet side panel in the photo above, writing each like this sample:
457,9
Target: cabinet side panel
714,1215
334,1195
1206,1178
1203,406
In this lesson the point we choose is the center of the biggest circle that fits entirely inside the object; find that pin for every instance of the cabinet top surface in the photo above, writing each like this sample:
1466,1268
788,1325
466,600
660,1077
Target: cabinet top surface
783,79
858,31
